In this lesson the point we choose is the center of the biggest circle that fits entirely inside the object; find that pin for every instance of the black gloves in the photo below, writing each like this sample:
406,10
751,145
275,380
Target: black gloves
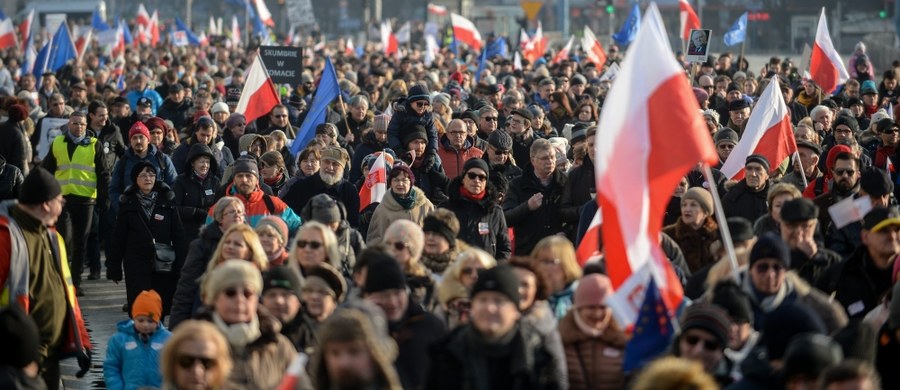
84,362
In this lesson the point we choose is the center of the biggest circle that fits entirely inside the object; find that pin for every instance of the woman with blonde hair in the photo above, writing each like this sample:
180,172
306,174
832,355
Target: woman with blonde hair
554,257
456,284
404,241
778,195
314,244
195,357
239,242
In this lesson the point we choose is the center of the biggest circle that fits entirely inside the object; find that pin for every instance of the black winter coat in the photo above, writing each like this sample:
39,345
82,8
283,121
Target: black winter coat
856,285
531,226
132,244
299,194
481,224
11,179
175,112
194,197
112,144
14,145
403,120
368,146
183,155
414,334
740,201
187,293
458,362
432,181
579,186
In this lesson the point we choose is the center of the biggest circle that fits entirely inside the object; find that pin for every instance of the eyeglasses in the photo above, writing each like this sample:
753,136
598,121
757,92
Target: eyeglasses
234,213
421,104
80,124
490,118
764,267
232,292
398,245
725,146
842,172
188,361
457,133
707,344
147,176
312,244
476,176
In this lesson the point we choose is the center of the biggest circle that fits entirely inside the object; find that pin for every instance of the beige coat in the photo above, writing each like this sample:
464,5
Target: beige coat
389,211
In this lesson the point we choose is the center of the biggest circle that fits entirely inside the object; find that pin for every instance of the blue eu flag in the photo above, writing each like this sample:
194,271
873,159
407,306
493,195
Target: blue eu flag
653,331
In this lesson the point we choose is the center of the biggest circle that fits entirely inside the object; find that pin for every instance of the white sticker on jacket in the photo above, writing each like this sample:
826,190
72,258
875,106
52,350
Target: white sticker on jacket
856,308
130,345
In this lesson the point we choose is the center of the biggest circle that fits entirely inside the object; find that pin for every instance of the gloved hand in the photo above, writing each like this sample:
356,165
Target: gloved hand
429,160
113,273
84,363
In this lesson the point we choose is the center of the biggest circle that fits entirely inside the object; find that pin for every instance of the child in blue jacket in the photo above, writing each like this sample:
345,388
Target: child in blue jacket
132,354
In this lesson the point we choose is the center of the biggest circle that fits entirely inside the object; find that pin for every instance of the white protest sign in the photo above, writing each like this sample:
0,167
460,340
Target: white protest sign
50,128
849,210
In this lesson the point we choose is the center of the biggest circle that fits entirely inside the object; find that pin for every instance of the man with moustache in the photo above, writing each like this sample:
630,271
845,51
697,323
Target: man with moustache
845,183
329,180
747,198
257,204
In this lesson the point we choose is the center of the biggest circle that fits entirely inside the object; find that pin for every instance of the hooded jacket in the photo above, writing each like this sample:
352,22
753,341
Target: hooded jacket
184,153
389,211
404,117
194,196
187,292
132,363
121,175
299,194
482,223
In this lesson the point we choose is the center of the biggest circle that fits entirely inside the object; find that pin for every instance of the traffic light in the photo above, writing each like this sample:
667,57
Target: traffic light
610,9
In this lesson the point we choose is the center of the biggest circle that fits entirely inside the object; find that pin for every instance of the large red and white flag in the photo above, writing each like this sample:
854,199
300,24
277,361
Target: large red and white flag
589,246
465,31
25,26
689,19
825,65
563,53
153,31
263,12
768,133
591,46
7,34
536,46
388,39
375,187
143,17
438,10
259,95
649,109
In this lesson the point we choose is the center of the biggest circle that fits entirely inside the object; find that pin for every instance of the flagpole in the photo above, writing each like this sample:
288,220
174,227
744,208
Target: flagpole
802,171
344,110
723,223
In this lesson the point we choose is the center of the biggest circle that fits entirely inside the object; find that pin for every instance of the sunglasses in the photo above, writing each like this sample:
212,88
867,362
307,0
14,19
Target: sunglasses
725,146
764,267
707,344
421,104
476,176
490,118
890,131
399,245
312,244
232,292
842,172
187,361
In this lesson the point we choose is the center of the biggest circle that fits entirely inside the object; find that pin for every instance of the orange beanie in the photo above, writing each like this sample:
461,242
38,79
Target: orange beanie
148,303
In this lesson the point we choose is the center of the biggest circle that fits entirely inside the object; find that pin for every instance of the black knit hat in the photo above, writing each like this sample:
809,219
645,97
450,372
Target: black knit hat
729,296
876,182
281,277
384,274
770,246
20,338
759,159
708,317
785,322
475,163
418,92
741,229
413,133
799,210
501,279
39,186
809,354
435,225
848,121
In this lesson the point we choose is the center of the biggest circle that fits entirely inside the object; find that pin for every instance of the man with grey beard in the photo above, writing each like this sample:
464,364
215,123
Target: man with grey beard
329,180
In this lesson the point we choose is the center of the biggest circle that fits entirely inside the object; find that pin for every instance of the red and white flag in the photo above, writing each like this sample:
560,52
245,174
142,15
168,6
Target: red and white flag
768,133
204,40
536,46
143,17
349,50
523,39
295,373
263,12
889,166
7,34
25,26
650,108
140,36
259,95
465,31
438,10
153,31
388,39
83,36
591,46
689,20
825,65
289,40
235,31
590,243
563,53
375,187
403,34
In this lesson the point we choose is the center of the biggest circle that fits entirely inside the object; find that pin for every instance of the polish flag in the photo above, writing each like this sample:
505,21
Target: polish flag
235,31
689,20
83,36
143,17
536,46
7,34
438,10
650,108
259,95
119,48
25,26
590,244
768,133
375,187
563,53
140,36
295,373
349,50
388,39
204,40
465,31
523,39
289,40
592,48
264,13
153,31
825,65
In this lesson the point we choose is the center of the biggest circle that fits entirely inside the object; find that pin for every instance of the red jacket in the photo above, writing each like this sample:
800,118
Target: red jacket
452,160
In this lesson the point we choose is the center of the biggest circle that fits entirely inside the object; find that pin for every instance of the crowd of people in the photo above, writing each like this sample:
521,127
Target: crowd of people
248,266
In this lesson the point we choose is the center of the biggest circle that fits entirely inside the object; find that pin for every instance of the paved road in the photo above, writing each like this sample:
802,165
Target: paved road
102,309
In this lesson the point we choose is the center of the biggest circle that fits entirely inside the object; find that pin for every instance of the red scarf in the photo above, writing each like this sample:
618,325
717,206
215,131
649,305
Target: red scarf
470,196
273,180
870,109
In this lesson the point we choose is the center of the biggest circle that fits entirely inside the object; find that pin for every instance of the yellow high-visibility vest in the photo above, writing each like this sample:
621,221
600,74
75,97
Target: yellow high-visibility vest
77,176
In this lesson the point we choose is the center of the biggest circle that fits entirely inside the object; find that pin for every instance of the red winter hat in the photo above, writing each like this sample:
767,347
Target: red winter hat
156,122
832,155
139,128
17,112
